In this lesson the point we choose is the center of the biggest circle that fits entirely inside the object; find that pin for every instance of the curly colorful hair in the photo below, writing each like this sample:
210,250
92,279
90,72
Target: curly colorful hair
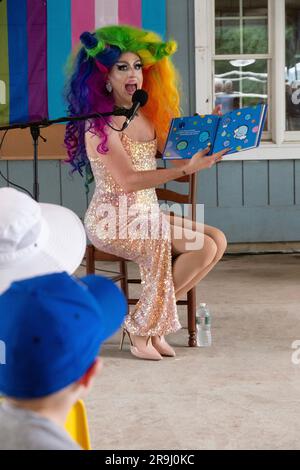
86,91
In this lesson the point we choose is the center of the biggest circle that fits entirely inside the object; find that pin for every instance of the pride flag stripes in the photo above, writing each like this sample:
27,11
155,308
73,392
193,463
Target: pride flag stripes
130,11
37,59
36,38
107,12
82,18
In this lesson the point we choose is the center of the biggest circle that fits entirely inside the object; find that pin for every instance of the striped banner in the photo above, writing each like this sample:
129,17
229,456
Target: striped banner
36,38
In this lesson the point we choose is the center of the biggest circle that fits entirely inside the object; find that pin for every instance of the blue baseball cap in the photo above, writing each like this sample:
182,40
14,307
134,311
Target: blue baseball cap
53,327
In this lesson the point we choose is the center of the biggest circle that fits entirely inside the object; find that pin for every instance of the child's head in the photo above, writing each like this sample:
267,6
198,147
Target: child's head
53,327
37,238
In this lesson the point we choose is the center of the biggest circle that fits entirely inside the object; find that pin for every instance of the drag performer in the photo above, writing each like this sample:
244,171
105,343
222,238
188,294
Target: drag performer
124,217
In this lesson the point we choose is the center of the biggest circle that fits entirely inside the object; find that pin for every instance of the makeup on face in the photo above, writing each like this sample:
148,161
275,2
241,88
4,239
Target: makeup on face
126,77
131,84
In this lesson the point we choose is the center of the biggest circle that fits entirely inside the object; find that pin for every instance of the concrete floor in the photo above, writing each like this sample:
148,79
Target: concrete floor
241,393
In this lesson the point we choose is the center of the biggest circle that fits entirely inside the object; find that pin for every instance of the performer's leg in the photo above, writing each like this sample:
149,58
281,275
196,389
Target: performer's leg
191,266
188,265
186,268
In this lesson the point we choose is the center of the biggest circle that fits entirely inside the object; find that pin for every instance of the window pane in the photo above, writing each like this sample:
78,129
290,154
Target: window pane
255,36
228,37
292,69
243,35
255,7
249,8
240,83
227,7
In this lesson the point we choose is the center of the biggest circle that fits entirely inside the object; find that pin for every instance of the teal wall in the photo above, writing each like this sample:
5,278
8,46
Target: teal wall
251,201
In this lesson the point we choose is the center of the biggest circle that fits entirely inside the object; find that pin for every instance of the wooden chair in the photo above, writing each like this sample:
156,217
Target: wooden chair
77,425
93,254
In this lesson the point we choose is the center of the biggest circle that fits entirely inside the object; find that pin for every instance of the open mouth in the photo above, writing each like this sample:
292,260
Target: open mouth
131,88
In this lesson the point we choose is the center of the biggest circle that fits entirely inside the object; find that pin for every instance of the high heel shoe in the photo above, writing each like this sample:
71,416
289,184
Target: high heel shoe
161,345
146,351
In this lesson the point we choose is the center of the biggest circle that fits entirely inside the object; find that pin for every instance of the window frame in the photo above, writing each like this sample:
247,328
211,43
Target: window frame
278,144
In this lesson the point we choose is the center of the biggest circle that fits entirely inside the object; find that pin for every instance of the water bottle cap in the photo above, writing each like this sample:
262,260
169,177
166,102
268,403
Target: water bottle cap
202,305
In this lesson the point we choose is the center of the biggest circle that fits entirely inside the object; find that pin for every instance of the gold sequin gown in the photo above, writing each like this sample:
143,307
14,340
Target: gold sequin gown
142,235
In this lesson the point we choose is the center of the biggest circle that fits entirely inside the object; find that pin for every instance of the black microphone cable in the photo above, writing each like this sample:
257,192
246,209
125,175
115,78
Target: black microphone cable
139,99
117,112
4,177
26,190
122,113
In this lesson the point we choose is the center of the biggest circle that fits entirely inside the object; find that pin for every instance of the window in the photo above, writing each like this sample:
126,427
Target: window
241,28
292,65
248,52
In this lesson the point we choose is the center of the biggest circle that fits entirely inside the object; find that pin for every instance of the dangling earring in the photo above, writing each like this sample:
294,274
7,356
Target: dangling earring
108,87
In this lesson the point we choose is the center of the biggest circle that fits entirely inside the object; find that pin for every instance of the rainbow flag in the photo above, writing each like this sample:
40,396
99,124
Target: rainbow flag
36,38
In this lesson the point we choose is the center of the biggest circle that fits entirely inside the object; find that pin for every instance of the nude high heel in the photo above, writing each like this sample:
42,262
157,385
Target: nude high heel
146,352
161,345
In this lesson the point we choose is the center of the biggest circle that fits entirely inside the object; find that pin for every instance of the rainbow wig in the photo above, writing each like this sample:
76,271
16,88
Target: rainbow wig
86,91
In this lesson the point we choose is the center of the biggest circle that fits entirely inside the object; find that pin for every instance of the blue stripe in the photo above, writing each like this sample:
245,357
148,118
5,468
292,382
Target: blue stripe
18,60
154,16
58,49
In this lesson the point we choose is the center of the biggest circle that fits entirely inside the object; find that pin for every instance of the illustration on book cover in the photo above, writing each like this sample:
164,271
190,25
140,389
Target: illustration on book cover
239,130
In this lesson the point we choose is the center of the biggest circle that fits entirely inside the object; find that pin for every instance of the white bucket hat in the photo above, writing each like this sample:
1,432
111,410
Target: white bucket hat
37,238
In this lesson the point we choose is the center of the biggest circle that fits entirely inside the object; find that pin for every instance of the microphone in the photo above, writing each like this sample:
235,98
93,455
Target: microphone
139,99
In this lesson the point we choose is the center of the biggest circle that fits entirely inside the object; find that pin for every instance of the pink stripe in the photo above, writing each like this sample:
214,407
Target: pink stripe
83,18
130,12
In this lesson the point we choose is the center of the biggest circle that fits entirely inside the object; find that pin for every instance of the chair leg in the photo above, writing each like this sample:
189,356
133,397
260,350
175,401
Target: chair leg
124,281
90,262
191,307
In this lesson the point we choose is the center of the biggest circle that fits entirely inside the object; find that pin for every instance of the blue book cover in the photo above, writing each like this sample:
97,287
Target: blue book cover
240,129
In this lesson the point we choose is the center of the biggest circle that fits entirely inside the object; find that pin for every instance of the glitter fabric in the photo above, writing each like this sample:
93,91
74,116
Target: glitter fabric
132,226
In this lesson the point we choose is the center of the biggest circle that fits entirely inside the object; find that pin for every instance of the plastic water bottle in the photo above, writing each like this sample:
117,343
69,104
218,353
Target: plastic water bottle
203,322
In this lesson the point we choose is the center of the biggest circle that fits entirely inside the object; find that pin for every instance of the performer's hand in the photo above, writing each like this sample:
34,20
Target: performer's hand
218,110
201,161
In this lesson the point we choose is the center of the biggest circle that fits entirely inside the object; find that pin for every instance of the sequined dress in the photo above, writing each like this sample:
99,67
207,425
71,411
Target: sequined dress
132,226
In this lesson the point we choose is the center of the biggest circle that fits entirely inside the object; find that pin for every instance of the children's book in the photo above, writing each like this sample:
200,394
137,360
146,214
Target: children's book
239,130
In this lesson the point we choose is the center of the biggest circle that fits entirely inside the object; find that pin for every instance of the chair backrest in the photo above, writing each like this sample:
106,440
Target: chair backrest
77,425
164,194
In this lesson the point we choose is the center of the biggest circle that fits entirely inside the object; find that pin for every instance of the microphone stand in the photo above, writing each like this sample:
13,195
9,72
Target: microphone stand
36,126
